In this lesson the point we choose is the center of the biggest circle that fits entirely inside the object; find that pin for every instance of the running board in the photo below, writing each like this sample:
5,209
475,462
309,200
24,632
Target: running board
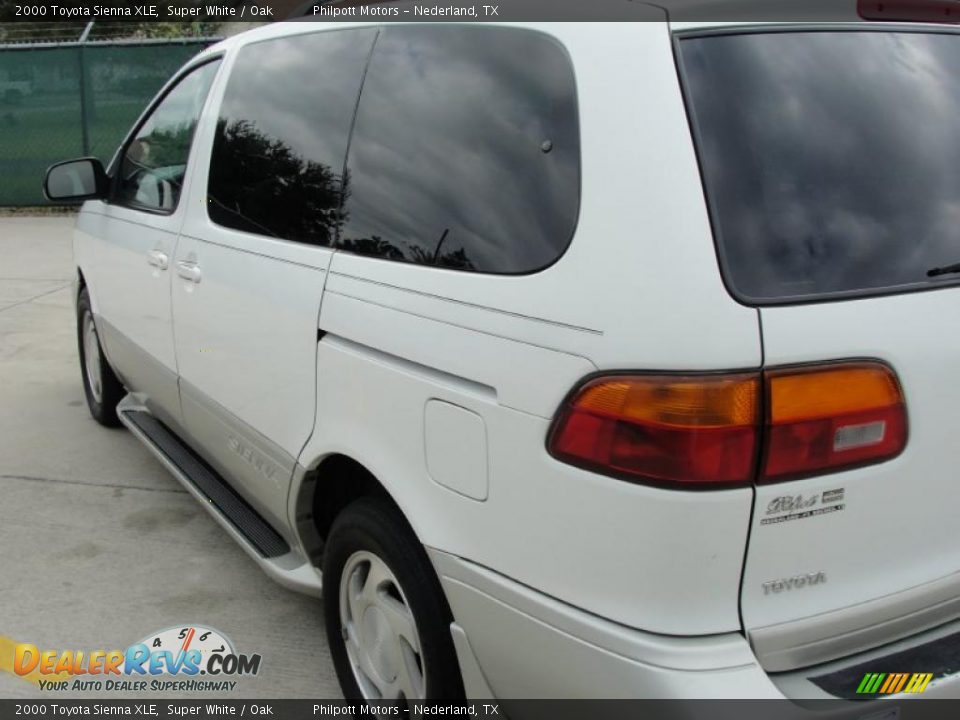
191,470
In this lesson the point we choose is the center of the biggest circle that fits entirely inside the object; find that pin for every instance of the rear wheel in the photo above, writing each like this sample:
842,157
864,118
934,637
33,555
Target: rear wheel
388,623
102,388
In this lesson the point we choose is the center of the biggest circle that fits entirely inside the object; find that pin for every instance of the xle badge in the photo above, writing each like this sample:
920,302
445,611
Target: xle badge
798,507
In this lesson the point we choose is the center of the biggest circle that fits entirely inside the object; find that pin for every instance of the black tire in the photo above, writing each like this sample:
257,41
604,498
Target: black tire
104,409
374,526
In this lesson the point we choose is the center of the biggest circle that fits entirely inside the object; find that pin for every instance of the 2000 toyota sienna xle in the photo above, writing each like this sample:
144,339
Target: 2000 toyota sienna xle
570,360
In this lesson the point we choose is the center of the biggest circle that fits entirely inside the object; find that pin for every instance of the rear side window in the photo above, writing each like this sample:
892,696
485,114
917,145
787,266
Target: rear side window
282,135
831,159
466,152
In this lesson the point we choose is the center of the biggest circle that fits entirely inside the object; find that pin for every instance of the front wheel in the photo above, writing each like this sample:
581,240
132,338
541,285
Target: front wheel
387,620
100,386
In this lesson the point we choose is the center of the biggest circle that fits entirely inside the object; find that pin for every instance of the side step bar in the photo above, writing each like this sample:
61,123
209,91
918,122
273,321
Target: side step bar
248,522
283,561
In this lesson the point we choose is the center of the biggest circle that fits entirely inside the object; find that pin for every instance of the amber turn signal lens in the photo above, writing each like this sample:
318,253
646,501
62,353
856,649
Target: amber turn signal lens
688,430
830,417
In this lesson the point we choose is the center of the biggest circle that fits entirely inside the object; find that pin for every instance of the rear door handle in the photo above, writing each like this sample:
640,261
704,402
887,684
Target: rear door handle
158,259
189,271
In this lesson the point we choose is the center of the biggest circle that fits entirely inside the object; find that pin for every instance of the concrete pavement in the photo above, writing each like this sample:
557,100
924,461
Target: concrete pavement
99,545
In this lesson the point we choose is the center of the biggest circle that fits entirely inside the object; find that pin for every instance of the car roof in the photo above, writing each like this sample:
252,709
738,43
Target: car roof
682,16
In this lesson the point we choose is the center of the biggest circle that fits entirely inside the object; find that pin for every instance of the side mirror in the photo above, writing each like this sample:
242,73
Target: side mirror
76,180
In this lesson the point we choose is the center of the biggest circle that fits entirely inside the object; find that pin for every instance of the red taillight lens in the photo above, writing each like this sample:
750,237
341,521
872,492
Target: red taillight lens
706,431
830,418
663,429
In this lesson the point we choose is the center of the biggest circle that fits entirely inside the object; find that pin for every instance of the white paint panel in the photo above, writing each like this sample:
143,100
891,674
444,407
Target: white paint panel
667,562
522,376
248,345
456,447
133,296
638,288
898,527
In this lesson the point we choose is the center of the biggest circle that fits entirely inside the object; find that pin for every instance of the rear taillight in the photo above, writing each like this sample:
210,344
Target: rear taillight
707,430
663,429
831,417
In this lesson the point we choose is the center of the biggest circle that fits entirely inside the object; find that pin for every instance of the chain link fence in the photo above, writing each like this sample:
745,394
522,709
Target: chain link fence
70,99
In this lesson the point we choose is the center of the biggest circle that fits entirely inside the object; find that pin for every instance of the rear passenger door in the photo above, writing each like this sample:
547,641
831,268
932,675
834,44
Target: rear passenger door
251,262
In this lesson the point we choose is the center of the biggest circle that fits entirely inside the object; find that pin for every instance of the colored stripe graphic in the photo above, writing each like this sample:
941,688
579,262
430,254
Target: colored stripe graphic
893,683
918,683
870,683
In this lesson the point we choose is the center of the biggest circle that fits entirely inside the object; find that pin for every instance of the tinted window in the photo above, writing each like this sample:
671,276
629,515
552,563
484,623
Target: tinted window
154,163
466,150
282,135
831,159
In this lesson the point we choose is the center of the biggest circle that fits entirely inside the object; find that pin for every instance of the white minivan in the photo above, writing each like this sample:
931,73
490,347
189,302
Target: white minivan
569,360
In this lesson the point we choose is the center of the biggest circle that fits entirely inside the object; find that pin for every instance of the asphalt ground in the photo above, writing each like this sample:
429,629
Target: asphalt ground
100,547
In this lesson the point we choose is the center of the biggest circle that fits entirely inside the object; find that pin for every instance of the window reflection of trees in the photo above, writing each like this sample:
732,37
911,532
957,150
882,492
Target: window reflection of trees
378,247
263,186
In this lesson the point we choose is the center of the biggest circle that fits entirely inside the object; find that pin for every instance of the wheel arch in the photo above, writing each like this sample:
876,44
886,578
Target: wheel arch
326,487
80,283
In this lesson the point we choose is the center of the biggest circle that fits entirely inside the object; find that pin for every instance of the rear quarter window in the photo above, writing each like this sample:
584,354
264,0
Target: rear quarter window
831,159
466,150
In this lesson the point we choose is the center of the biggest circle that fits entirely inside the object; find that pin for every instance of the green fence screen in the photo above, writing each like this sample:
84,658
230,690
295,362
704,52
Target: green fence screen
66,101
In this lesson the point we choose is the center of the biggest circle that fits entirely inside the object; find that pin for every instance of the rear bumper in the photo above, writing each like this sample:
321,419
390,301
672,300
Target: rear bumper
515,643
934,654
820,638
518,643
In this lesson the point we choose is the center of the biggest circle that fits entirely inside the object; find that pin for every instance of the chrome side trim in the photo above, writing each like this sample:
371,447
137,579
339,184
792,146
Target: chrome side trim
828,636
463,303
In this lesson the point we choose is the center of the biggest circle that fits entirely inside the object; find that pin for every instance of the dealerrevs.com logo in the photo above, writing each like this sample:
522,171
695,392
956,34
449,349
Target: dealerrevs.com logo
189,658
